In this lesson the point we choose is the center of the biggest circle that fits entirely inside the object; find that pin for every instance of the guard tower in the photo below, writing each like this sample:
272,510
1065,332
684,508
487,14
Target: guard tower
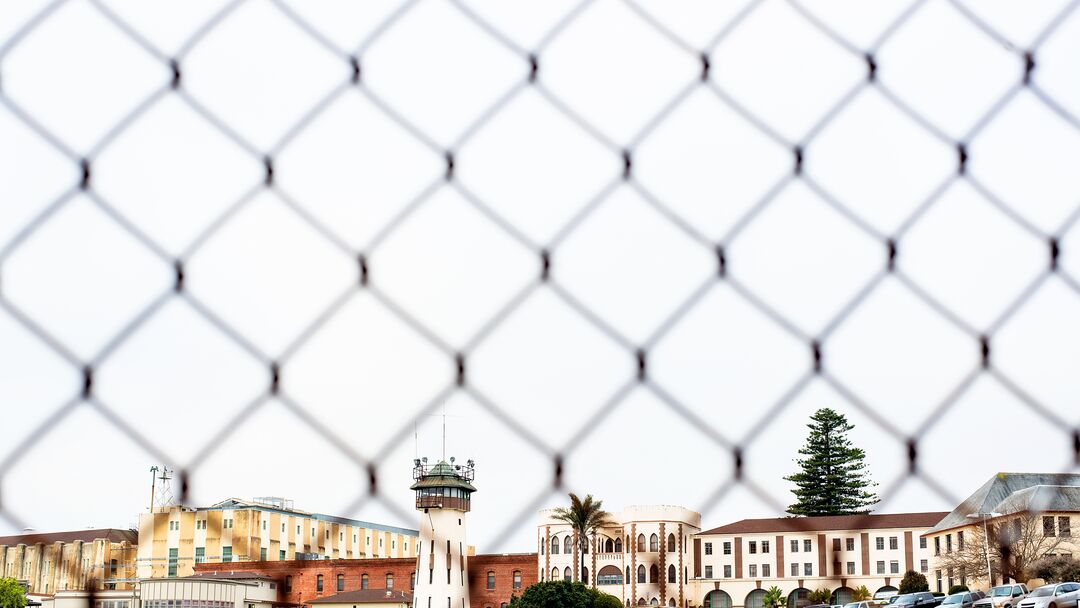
443,496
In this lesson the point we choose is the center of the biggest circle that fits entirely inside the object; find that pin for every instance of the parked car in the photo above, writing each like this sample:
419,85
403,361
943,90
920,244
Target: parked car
963,599
1061,595
978,594
1003,596
885,596
921,599
861,604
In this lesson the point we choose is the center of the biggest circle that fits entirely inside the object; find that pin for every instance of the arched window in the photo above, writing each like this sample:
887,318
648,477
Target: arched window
319,583
585,548
554,574
618,545
641,573
554,545
641,601
609,575
568,544
516,579
755,599
671,574
628,543
654,543
654,574
799,598
671,543
671,602
341,582
363,581
627,579
718,599
585,575
412,581
609,546
566,576
641,543
654,602
491,580
389,581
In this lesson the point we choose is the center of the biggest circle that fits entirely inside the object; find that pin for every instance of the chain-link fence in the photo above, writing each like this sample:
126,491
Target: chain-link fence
636,242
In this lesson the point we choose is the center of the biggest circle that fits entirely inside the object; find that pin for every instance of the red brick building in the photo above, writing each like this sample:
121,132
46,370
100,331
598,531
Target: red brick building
492,578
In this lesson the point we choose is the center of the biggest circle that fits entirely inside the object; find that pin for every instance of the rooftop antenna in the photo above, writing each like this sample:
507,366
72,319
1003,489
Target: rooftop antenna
444,430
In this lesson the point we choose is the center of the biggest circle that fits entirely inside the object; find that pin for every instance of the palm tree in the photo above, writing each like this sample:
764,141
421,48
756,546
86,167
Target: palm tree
585,518
774,597
861,593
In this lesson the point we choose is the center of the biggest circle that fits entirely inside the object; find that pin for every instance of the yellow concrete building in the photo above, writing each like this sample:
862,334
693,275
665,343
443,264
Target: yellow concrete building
50,562
173,540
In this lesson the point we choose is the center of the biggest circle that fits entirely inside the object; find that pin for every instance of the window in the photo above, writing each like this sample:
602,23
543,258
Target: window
894,567
881,567
288,583
641,573
960,540
566,574
794,546
654,544
389,580
836,544
753,546
794,569
1048,526
1064,529
879,543
517,579
200,555
851,567
327,535
264,524
937,573
753,570
922,542
298,529
283,528
671,543
766,570
894,542
393,544
262,554
808,569
948,543
364,581
412,581
200,524
628,574
226,554
937,545
923,565
568,544
173,560
654,574
671,574
727,571
319,583
491,580
708,548
618,545
641,542
341,582
227,523
849,544
708,572
727,547
807,545
554,545
764,546
281,555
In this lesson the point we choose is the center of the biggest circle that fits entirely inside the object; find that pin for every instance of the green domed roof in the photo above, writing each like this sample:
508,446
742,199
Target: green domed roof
442,475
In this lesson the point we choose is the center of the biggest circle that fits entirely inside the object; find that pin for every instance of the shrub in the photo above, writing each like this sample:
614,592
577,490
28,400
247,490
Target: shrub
820,596
12,594
958,589
913,582
563,594
861,594
1058,569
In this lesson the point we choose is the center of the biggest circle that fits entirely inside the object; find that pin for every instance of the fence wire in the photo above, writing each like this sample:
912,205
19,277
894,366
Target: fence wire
704,70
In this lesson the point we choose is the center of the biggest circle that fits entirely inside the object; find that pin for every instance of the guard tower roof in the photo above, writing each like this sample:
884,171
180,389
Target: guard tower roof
442,475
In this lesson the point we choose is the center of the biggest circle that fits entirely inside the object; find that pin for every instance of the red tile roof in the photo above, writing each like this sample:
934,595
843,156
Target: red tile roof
830,522
47,538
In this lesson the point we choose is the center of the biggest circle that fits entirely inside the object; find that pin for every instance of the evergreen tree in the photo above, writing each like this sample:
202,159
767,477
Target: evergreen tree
833,479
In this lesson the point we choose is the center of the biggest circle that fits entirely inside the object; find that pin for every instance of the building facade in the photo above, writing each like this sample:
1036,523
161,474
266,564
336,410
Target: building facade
82,559
734,564
1038,509
643,558
173,540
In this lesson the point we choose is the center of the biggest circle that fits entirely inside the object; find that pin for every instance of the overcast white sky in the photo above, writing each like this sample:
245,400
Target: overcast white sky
641,257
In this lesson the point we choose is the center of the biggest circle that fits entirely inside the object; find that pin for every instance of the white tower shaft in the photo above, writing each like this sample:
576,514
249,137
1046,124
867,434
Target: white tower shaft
442,569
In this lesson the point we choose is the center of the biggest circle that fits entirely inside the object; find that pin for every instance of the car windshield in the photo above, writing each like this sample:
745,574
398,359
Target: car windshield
1002,591
1043,591
904,600
956,598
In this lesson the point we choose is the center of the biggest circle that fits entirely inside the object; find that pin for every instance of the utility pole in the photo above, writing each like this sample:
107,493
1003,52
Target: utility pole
153,483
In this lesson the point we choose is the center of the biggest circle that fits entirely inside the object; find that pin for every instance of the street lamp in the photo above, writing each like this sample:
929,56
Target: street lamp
986,542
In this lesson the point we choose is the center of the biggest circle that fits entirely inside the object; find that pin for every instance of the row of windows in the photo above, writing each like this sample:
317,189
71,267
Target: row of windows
1064,527
808,545
516,579
185,604
608,545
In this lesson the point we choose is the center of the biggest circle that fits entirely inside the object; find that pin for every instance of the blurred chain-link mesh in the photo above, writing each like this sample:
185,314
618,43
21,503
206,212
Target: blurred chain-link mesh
551,209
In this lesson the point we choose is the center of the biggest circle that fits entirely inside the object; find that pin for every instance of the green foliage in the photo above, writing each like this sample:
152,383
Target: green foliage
585,517
1057,569
958,589
861,593
12,594
913,582
774,597
563,594
820,596
832,479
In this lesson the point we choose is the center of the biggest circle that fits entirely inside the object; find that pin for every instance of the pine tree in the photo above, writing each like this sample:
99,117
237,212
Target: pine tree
833,479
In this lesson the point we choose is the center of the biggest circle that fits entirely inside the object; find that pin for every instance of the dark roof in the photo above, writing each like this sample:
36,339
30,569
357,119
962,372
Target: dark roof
231,575
829,522
47,538
442,475
366,596
992,495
